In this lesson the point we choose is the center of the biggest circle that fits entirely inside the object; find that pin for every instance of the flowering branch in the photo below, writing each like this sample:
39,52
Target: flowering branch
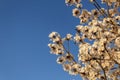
97,38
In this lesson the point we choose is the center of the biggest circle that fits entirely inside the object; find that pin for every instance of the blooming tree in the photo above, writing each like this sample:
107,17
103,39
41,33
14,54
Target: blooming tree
99,55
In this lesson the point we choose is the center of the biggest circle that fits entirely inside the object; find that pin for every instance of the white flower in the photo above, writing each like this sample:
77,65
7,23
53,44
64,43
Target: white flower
70,2
77,38
53,48
76,12
117,17
56,49
75,69
79,5
112,12
55,37
67,67
95,13
68,36
85,16
92,0
79,28
69,57
61,60
117,42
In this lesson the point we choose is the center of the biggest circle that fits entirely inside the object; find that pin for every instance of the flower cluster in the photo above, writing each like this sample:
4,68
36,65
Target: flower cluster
98,41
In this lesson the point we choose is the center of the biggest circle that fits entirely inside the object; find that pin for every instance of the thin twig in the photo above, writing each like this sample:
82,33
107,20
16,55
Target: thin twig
108,9
69,53
102,69
100,8
68,46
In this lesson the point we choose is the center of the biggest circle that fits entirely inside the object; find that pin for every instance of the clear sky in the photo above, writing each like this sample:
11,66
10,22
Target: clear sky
24,29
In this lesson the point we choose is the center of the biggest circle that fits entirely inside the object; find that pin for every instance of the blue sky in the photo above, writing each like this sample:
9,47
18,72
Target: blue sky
24,29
